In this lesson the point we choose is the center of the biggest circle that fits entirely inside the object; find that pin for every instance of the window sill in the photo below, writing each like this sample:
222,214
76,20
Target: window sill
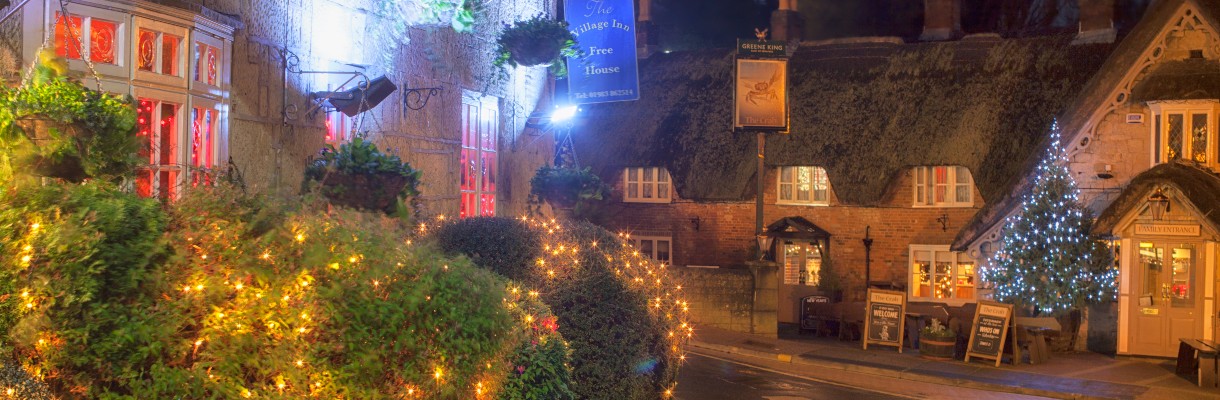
952,205
785,203
648,201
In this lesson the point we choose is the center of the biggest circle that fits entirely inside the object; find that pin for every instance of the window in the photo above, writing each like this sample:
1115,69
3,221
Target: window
80,37
1183,131
943,186
803,185
654,247
157,122
207,62
480,132
940,274
338,128
159,53
802,262
646,185
205,117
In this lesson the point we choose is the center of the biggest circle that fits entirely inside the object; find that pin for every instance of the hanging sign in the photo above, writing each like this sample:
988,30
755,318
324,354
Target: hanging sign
990,329
761,95
763,49
605,33
884,322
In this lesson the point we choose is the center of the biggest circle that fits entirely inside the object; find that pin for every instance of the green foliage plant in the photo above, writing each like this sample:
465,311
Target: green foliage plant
564,187
622,316
81,259
50,125
359,175
536,41
539,367
936,329
504,245
400,15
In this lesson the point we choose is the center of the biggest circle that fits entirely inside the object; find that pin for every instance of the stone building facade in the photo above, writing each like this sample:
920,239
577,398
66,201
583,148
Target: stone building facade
236,80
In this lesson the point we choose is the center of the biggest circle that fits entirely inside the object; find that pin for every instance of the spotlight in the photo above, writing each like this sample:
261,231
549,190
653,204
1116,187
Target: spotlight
563,113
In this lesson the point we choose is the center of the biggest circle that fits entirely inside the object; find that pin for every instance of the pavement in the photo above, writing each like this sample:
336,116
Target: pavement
1073,375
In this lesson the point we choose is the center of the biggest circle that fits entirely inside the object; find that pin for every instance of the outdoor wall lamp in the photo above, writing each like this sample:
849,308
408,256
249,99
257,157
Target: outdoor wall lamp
764,246
944,221
1158,203
694,221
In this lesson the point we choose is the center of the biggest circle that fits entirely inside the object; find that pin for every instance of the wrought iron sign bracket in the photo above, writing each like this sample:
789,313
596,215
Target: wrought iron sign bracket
416,98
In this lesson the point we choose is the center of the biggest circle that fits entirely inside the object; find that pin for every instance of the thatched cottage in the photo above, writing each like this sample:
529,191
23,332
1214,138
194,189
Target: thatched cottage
905,156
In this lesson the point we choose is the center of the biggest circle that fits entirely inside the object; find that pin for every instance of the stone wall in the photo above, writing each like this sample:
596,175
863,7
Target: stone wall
720,298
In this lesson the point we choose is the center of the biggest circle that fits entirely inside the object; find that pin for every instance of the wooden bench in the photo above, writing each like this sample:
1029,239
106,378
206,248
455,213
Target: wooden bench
1197,358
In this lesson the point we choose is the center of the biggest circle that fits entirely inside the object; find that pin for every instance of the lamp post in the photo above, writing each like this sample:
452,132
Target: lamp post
764,245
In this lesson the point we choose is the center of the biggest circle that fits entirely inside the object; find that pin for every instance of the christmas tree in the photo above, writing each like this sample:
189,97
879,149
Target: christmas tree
1049,257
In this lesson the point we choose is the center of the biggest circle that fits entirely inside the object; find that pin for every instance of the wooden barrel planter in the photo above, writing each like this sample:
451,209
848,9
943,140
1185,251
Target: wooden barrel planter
937,347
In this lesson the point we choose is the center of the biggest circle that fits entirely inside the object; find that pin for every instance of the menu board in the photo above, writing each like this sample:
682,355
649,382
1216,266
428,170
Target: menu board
991,321
884,321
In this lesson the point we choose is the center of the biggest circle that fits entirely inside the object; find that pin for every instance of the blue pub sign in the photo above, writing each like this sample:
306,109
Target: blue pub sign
605,32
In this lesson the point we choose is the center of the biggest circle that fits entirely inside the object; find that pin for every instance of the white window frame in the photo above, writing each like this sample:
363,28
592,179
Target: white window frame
122,38
637,242
1159,131
222,54
183,139
819,179
486,120
156,76
220,150
925,184
656,184
811,274
955,269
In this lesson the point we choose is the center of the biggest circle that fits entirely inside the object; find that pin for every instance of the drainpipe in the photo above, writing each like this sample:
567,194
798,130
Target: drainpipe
868,247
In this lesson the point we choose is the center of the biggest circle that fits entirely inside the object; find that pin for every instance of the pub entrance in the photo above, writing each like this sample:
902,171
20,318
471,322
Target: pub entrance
801,249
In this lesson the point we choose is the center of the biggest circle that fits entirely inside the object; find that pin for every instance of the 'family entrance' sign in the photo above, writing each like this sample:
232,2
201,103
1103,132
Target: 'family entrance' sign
605,32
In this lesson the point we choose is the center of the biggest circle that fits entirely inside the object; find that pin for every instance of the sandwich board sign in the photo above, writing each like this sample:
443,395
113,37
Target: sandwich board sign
991,321
884,319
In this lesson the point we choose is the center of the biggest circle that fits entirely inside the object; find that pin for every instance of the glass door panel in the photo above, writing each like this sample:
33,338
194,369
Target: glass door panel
1181,285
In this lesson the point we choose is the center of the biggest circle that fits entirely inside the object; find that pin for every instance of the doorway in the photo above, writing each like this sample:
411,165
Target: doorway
1166,279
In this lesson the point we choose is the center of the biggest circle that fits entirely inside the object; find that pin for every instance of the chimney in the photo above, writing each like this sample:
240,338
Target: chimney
645,31
942,20
786,22
1096,22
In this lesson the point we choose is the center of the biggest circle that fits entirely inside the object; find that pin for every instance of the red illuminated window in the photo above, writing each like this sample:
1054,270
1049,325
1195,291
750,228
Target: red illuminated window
203,144
158,125
103,36
206,67
480,134
158,52
338,129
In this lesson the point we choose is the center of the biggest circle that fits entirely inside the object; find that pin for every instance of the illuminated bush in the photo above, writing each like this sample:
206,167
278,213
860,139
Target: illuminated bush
622,316
231,296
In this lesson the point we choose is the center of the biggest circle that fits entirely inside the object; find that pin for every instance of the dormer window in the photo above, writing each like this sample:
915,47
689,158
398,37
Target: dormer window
646,185
803,185
1183,130
943,186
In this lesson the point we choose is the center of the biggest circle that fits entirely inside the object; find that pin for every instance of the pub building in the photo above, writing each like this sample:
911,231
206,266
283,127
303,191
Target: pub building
904,155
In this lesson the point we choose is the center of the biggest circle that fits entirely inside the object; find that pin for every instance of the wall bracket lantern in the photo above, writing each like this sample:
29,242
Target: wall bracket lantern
1158,204
764,245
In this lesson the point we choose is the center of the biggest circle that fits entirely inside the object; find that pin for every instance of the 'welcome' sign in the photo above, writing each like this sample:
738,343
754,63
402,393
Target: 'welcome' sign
605,32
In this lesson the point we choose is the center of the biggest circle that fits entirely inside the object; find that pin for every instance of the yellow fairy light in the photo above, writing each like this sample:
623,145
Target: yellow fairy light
529,319
238,286
199,287
198,342
205,256
533,293
35,226
29,304
25,293
300,237
376,283
300,363
27,248
266,255
438,374
25,259
245,393
301,329
351,259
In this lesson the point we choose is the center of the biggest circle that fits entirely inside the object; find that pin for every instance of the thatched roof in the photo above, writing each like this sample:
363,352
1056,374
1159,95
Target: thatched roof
865,110
1099,92
1197,184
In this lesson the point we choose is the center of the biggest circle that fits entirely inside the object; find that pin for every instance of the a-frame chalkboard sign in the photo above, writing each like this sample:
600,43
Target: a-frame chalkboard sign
991,321
884,320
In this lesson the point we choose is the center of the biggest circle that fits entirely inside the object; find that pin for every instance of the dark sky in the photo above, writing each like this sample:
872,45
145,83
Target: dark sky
693,24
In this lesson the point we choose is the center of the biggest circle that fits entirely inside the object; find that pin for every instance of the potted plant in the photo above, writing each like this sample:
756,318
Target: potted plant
54,127
563,187
358,175
937,341
535,42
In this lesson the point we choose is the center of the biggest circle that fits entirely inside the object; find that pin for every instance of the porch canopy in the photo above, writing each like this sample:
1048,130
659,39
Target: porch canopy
800,229
1195,183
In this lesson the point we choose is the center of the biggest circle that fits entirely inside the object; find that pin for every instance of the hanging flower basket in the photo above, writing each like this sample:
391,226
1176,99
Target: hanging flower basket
539,41
563,187
360,176
54,127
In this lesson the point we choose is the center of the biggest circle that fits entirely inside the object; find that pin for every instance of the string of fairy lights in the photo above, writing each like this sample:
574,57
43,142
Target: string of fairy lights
1048,258
291,313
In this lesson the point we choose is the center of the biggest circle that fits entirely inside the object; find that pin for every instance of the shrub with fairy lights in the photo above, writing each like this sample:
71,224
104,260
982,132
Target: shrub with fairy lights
232,296
1049,258
623,316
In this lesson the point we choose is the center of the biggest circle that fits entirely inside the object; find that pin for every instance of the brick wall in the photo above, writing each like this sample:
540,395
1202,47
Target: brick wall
722,233
719,298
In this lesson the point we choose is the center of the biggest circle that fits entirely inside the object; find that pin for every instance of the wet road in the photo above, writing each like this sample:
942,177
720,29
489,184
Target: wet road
705,377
